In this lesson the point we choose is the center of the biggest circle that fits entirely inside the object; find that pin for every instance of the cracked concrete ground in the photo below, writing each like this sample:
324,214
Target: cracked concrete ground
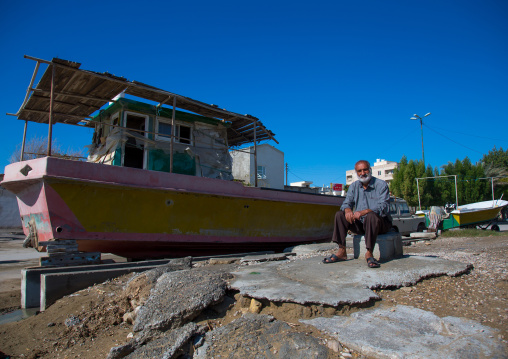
407,332
310,281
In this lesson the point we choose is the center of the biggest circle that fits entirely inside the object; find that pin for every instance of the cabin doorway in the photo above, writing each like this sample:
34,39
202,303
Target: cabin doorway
134,150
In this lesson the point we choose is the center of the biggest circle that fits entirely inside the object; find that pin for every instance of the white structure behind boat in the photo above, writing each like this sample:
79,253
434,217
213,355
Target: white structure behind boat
270,166
302,186
381,169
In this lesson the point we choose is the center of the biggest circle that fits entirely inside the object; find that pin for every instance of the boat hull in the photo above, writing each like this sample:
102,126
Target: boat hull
146,214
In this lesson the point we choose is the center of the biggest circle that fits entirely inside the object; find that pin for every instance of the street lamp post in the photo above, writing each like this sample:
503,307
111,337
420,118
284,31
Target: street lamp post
416,117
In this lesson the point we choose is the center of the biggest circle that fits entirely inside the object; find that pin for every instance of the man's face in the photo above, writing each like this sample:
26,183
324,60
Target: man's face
363,172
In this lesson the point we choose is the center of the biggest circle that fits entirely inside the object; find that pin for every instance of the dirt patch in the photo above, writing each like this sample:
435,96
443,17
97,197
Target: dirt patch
90,322
9,301
86,324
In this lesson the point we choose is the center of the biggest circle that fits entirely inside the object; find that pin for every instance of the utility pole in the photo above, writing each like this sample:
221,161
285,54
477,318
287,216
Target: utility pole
287,169
416,117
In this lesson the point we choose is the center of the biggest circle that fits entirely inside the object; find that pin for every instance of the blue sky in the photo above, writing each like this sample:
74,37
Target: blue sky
336,81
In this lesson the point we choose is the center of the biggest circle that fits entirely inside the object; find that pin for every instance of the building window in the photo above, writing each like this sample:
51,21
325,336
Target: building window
261,172
183,134
379,173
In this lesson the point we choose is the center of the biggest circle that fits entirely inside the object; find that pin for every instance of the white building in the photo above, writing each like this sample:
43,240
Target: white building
381,169
270,161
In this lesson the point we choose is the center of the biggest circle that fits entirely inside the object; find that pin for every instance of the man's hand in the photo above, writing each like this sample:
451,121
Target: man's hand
350,216
357,215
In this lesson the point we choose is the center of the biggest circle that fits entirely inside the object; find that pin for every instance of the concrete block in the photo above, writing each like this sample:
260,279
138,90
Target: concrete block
388,246
57,285
423,235
31,277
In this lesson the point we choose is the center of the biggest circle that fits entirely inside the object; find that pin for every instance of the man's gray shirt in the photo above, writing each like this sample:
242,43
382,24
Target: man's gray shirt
376,197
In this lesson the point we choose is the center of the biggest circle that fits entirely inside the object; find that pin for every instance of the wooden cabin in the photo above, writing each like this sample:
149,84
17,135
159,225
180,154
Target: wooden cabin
134,134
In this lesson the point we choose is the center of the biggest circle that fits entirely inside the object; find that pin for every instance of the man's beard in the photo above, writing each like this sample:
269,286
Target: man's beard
365,178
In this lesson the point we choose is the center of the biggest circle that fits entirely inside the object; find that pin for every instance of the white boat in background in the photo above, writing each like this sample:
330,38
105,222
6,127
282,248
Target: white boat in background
478,214
481,205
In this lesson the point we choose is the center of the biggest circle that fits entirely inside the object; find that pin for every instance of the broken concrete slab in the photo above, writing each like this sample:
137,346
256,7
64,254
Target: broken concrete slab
178,297
408,332
265,257
423,235
310,281
312,248
169,345
260,336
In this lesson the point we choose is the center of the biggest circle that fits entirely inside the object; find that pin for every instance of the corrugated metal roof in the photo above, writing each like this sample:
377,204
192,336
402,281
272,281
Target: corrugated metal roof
79,93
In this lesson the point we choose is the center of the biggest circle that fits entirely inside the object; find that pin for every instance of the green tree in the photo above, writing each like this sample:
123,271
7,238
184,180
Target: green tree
398,178
496,165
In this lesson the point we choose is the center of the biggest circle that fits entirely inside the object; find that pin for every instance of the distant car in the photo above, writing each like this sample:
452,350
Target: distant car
403,222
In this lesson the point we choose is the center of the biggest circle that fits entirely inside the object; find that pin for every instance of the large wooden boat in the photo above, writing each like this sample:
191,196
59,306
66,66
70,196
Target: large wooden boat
156,198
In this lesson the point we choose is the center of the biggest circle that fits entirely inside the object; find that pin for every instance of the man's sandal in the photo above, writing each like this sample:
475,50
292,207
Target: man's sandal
333,259
373,263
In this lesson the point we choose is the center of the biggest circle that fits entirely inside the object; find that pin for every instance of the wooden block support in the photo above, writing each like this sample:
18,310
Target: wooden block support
70,259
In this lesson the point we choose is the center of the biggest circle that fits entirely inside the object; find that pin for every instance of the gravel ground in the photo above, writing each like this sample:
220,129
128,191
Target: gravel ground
482,294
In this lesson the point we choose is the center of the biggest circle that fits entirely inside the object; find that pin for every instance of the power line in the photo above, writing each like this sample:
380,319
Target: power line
295,175
468,134
448,138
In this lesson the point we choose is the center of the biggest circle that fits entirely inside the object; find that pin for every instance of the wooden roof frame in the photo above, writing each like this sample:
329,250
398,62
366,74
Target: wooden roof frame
68,94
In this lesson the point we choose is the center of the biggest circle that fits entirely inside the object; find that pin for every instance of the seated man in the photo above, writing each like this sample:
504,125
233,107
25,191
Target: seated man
369,197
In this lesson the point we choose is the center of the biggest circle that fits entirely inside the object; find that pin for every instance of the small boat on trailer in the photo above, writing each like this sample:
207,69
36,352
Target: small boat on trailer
478,214
472,215
158,180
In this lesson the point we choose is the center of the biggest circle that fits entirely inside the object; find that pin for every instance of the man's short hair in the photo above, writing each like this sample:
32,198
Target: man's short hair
362,161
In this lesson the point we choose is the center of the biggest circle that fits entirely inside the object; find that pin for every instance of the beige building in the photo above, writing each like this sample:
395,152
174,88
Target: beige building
381,169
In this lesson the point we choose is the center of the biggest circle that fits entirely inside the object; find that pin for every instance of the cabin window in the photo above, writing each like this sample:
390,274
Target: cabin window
114,119
164,131
261,172
183,134
134,154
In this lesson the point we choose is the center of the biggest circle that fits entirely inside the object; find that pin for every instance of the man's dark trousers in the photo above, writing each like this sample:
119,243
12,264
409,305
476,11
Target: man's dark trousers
373,224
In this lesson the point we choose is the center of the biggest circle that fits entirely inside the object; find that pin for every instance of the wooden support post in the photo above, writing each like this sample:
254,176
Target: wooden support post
23,143
23,105
172,135
50,130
